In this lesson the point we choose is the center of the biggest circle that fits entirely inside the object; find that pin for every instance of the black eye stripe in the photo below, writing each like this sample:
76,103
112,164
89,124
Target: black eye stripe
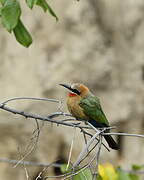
76,91
71,89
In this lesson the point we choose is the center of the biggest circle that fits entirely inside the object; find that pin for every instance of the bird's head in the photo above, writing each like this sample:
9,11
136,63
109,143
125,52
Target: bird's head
76,89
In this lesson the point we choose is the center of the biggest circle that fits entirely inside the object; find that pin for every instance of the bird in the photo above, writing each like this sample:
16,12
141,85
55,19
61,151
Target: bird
83,105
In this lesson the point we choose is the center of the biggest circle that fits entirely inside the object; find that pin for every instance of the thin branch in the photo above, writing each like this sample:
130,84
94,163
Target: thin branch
31,98
39,117
44,169
98,155
134,171
85,150
26,172
86,133
40,173
124,134
96,129
66,122
59,176
88,153
32,144
40,164
81,169
73,173
28,163
71,148
56,114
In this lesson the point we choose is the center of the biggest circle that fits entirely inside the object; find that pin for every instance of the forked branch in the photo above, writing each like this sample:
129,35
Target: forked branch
69,121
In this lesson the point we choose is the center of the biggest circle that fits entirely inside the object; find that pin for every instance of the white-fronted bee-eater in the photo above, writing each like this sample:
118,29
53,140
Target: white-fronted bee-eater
82,104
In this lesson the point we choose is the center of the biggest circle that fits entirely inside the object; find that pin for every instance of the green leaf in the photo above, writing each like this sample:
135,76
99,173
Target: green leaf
10,14
8,2
0,11
2,2
64,169
22,35
43,4
122,175
83,175
31,3
137,167
133,177
99,177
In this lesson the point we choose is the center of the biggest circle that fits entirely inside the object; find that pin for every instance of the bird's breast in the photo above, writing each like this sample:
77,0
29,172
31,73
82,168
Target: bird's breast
74,108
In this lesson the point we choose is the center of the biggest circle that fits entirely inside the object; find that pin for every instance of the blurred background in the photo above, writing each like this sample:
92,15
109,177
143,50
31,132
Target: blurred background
99,43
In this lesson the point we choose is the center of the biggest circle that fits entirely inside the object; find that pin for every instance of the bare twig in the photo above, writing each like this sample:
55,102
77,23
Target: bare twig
98,156
29,163
134,171
81,169
32,144
71,148
125,134
89,151
26,172
42,118
85,150
32,98
86,133
66,120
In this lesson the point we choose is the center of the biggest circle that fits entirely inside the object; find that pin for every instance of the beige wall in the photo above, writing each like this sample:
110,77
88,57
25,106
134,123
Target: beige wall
99,43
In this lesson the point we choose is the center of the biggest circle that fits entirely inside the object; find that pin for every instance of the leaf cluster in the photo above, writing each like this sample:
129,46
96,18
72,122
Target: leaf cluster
10,14
106,172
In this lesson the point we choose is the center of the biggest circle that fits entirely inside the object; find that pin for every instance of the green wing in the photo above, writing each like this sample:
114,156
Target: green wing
92,108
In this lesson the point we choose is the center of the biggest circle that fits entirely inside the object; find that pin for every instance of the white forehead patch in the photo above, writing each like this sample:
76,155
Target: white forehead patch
72,86
75,86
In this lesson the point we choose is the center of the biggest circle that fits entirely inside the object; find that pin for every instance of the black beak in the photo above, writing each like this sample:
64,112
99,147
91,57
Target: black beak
66,86
71,89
